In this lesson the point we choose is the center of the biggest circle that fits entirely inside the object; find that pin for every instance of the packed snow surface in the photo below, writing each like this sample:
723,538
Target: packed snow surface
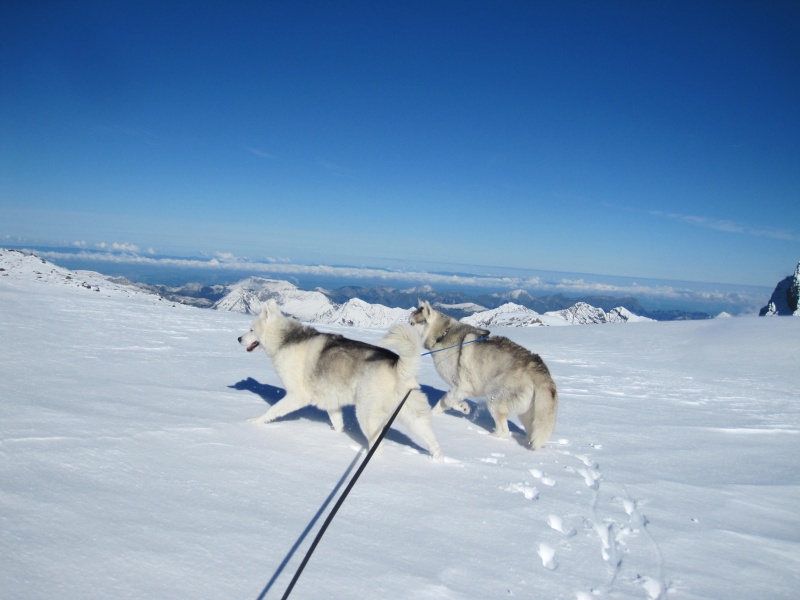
129,469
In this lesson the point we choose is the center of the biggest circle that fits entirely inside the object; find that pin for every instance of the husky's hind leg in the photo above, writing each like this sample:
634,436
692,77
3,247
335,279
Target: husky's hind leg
416,415
500,415
370,420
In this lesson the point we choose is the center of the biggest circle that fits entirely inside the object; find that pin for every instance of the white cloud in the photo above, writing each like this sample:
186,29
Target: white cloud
124,247
697,293
261,153
729,226
336,169
118,247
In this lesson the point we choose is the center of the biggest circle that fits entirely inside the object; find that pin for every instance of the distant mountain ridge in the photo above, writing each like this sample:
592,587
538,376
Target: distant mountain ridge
516,315
460,304
315,306
378,307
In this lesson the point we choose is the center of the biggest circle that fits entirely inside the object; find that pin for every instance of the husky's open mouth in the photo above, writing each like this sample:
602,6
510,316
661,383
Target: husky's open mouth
252,346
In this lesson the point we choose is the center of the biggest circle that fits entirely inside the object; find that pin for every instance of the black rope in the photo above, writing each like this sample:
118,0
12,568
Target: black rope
343,496
309,527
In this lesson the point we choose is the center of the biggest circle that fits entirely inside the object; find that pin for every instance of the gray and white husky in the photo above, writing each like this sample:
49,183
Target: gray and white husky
330,371
512,379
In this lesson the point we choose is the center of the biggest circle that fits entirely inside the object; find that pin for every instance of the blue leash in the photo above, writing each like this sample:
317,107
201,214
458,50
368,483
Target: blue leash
480,339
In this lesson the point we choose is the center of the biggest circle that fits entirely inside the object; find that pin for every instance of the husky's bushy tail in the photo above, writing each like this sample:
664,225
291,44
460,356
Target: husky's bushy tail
542,414
404,340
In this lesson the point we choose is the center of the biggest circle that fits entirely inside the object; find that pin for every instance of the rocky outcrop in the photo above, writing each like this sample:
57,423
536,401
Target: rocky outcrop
785,300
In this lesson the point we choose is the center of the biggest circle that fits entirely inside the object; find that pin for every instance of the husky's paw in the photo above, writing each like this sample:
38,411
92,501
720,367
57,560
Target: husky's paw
257,421
438,409
463,407
501,435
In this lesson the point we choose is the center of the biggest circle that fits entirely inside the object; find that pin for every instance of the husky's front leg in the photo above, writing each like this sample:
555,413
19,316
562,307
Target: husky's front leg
289,403
453,399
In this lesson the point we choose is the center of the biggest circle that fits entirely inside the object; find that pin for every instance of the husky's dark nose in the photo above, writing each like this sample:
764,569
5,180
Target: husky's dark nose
240,339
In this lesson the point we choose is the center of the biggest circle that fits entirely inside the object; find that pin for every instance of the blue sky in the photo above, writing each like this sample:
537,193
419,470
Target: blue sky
643,139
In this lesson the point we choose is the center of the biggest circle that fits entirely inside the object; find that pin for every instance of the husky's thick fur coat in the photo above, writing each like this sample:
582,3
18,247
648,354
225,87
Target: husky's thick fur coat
330,371
512,379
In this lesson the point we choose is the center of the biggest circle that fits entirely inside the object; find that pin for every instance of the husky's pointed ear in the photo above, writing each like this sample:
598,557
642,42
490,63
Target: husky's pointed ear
263,313
272,307
427,307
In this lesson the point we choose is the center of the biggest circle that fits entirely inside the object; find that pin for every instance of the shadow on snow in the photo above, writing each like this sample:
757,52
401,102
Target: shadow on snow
272,394
478,415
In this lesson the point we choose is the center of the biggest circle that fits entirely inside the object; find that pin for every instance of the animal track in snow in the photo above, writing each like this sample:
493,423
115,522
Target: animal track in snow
653,587
557,523
548,555
610,551
615,519
586,461
591,477
542,477
631,508
590,470
494,459
530,492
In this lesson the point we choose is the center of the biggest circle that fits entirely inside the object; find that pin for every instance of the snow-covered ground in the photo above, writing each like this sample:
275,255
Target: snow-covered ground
128,468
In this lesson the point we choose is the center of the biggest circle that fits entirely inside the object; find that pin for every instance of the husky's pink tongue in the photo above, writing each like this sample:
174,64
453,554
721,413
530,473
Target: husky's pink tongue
252,346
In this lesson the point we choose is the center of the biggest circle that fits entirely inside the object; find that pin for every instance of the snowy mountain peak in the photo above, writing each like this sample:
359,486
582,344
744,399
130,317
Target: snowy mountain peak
620,314
584,314
357,313
247,295
469,307
507,315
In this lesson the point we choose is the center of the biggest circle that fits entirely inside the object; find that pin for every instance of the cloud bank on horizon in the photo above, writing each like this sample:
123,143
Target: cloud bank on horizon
744,299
